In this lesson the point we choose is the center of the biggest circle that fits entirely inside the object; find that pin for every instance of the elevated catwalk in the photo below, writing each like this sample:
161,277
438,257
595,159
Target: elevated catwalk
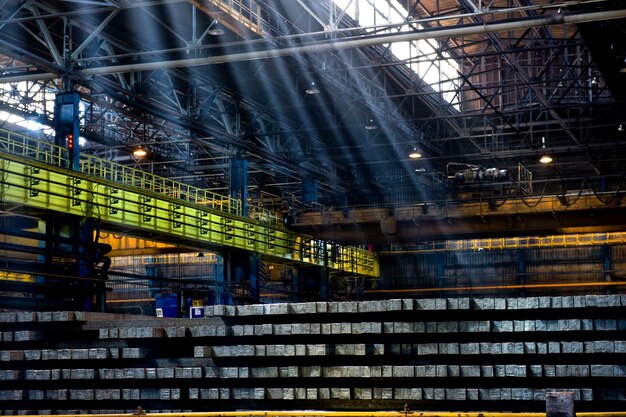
137,203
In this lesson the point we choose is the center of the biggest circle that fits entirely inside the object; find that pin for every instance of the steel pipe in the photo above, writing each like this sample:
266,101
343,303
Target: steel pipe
335,45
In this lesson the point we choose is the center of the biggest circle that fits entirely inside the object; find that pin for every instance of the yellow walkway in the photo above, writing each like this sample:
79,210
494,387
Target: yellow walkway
137,202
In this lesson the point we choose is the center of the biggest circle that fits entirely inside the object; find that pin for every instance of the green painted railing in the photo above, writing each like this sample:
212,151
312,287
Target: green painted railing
32,173
21,145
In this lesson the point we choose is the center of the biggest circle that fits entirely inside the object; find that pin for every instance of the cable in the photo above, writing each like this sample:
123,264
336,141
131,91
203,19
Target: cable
615,195
506,198
580,191
545,185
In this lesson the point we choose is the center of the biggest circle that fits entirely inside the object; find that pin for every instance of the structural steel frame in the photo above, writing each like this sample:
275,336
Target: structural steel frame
131,200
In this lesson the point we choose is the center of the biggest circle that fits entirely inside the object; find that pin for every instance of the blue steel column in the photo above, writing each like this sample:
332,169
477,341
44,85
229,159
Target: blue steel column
87,264
324,284
314,278
440,265
293,283
241,266
82,229
220,281
68,235
239,182
608,263
521,266
67,127
309,190
254,270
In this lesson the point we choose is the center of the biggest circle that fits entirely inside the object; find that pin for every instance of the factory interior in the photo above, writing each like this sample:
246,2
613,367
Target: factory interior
193,189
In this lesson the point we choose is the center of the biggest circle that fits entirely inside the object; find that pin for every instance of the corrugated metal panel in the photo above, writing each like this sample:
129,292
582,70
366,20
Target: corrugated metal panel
564,254
488,268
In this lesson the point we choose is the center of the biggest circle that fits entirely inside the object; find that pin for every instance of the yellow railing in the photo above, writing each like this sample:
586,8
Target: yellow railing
527,242
131,200
247,13
122,174
27,147
42,151
164,259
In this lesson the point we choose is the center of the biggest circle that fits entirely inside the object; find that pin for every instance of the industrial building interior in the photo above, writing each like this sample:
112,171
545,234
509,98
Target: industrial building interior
199,158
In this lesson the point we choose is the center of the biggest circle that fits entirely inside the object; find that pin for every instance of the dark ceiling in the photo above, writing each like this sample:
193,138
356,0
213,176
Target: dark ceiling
150,74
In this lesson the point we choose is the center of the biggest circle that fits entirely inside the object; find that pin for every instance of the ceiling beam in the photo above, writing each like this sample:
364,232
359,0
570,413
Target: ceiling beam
339,44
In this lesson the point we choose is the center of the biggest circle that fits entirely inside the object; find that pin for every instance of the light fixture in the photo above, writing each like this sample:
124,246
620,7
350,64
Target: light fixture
312,89
370,125
140,152
216,29
621,127
545,158
415,153
595,82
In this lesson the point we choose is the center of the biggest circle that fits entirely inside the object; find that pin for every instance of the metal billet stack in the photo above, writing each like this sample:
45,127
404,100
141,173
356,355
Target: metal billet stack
431,354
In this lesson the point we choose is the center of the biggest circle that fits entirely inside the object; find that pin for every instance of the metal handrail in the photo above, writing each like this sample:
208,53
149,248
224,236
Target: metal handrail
285,244
516,242
34,149
100,168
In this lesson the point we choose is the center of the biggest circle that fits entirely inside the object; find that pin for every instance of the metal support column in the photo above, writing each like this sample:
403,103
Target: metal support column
440,265
243,269
66,125
239,182
226,295
80,229
293,283
608,263
521,266
314,280
71,237
309,190
324,295
220,281
254,261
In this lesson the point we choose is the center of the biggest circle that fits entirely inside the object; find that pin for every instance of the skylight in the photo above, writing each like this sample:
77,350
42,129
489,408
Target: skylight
437,69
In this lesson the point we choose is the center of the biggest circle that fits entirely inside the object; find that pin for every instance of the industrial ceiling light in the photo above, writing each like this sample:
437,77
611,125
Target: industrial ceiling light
595,82
216,29
415,153
312,89
139,152
370,125
545,158
621,127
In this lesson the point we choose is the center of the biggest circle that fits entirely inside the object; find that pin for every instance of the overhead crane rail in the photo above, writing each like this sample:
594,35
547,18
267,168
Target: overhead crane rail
33,174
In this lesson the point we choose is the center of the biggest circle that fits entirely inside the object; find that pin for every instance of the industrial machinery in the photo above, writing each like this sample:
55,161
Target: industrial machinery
461,173
468,181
